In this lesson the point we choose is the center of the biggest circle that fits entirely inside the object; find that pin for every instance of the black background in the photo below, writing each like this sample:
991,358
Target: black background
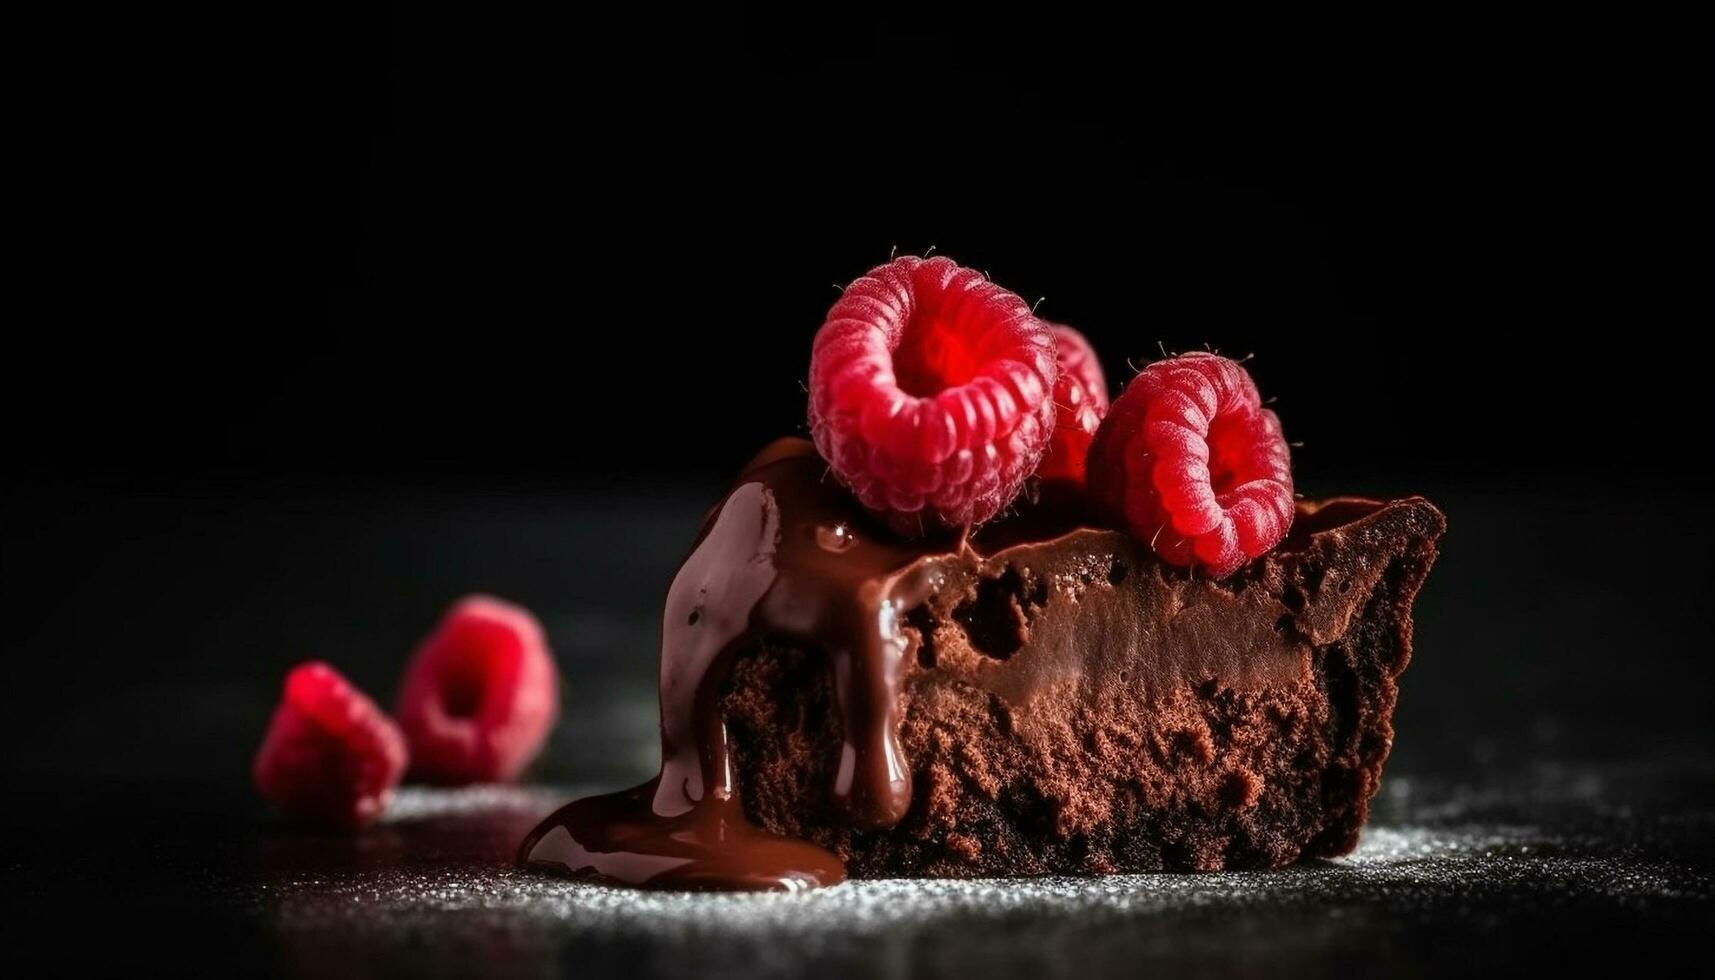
338,315
436,243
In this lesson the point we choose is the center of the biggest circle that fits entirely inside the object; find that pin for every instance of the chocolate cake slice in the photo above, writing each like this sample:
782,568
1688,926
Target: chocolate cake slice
1073,705
1047,697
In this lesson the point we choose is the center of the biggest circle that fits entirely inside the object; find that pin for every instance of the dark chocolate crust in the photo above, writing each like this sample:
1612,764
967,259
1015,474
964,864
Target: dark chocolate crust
1075,706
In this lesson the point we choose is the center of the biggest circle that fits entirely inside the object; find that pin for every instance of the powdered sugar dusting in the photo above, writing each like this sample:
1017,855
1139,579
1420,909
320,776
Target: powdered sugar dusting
1428,861
1480,874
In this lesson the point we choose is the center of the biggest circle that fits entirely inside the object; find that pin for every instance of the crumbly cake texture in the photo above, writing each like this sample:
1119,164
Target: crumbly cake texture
1116,714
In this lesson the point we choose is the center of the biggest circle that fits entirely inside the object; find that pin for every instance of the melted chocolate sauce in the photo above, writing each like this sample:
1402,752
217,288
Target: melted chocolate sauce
784,555
789,555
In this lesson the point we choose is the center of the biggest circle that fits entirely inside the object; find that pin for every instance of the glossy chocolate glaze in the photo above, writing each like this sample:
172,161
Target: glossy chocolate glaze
782,555
789,555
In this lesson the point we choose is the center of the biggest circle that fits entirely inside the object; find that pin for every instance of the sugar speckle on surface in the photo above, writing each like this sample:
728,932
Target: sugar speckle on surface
1439,862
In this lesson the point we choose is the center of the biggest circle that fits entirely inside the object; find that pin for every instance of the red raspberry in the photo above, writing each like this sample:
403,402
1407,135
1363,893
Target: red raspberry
330,754
1080,401
1192,463
929,393
479,695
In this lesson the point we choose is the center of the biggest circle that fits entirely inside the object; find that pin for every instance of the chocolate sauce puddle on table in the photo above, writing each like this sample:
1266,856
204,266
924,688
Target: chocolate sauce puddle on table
781,556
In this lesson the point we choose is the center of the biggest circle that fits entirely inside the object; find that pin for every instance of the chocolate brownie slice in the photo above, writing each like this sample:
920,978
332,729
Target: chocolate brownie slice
1070,704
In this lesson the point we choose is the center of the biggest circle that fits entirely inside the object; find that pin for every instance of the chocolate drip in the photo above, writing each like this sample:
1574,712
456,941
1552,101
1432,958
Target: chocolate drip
782,556
788,555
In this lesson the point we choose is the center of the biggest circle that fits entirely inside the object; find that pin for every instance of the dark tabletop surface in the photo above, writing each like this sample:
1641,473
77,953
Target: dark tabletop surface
1551,797
524,285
